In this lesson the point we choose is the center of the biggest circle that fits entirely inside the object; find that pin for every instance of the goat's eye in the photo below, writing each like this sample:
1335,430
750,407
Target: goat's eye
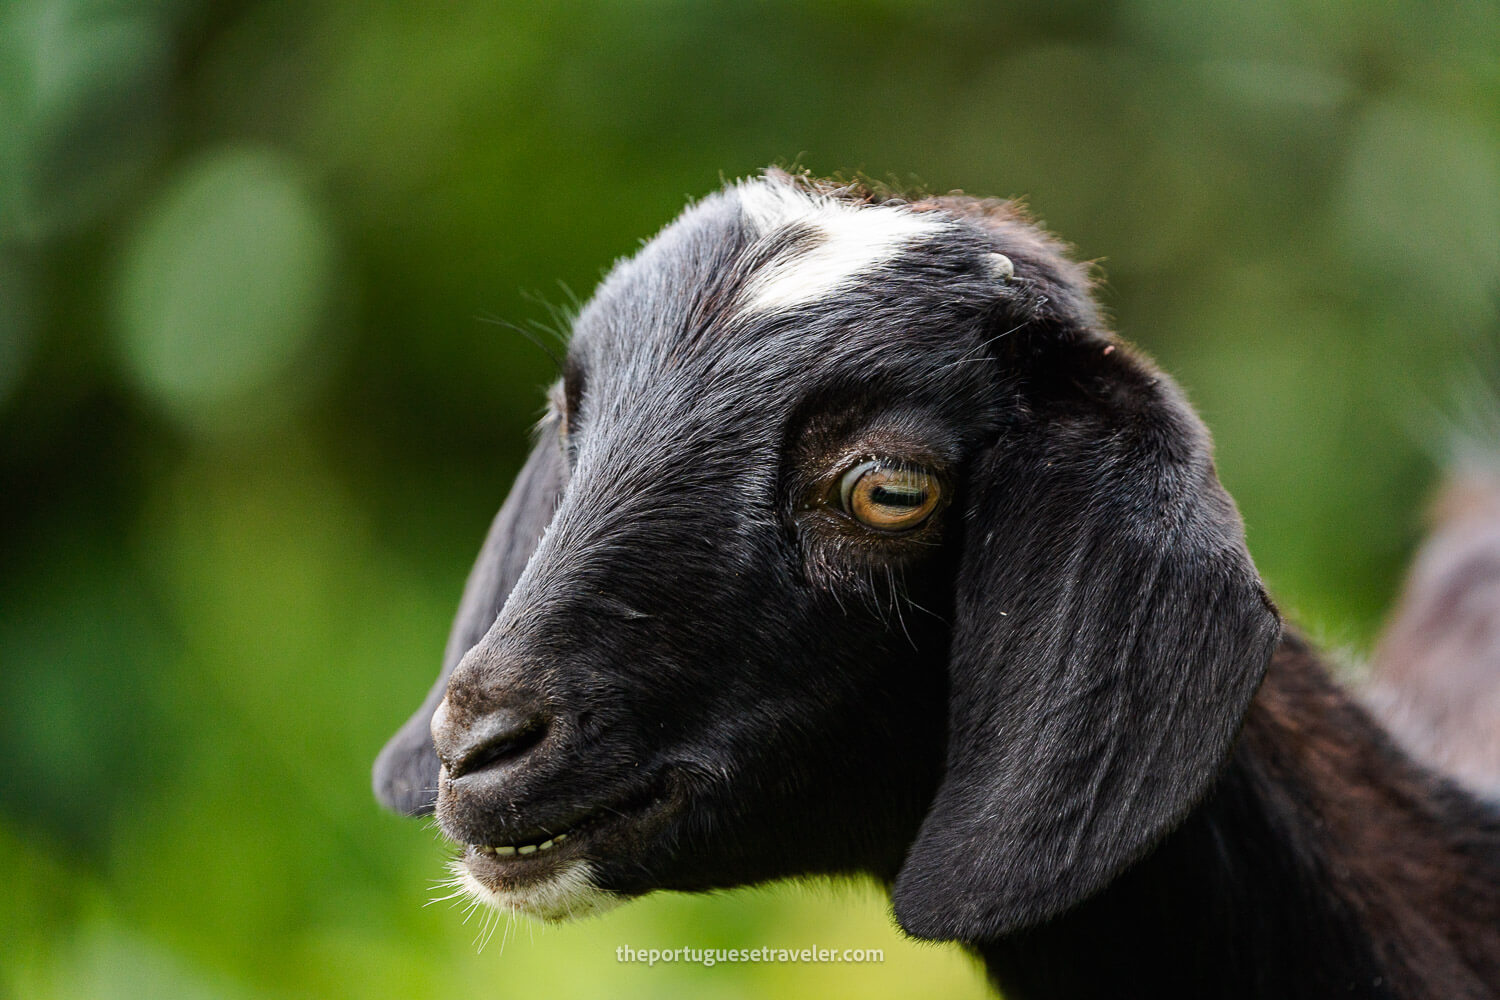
888,497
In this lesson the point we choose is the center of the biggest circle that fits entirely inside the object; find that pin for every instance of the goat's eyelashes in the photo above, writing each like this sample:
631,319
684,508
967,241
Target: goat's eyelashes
888,496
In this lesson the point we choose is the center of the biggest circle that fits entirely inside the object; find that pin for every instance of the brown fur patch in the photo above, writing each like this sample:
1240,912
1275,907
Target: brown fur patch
1415,858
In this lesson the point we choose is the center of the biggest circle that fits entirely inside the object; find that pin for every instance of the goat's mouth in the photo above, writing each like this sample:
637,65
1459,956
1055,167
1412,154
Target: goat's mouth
552,871
529,855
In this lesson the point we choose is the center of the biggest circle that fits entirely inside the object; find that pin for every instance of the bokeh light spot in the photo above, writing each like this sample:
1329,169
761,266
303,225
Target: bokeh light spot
224,287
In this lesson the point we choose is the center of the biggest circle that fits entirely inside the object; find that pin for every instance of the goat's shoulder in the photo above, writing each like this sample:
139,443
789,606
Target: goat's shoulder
1412,857
1325,862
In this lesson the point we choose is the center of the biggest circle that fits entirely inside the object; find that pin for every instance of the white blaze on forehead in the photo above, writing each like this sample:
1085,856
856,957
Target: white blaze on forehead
848,240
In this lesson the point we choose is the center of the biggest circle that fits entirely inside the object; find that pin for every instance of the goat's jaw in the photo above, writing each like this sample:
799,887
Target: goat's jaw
564,892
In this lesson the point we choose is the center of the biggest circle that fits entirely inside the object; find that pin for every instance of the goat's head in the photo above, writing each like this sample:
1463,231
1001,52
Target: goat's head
852,542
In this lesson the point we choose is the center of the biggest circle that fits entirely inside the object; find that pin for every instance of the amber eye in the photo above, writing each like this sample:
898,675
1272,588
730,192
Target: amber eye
887,496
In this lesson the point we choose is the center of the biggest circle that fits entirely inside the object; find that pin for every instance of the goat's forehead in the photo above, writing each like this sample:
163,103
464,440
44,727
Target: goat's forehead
842,243
769,270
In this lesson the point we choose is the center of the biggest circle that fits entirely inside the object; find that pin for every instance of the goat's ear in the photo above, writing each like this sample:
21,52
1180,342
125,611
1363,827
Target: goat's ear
406,771
1109,632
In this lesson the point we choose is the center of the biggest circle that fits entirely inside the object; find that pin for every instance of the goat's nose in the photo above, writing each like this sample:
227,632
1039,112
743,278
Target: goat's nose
466,743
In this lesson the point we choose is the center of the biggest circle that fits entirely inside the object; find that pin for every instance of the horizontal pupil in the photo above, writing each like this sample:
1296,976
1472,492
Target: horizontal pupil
898,496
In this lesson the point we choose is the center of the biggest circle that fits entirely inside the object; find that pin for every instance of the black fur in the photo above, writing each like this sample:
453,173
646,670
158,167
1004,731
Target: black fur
1022,714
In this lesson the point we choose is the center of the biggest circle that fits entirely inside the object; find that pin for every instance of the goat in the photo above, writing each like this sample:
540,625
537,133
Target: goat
853,542
1436,680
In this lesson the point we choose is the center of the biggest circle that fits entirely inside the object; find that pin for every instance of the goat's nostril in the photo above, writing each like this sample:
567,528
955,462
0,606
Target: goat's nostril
501,734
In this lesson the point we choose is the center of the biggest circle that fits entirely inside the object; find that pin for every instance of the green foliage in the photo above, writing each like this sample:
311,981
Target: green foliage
253,420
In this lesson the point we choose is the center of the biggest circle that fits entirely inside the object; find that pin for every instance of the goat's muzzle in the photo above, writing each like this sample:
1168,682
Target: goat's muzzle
467,744
497,741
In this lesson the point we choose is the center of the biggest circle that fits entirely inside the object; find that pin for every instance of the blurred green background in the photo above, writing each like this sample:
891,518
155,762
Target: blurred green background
254,420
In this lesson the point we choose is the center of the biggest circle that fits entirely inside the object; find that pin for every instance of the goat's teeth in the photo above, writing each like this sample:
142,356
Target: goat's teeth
510,850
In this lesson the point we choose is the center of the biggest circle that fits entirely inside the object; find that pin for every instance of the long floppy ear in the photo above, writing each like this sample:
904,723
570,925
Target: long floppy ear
1109,632
406,772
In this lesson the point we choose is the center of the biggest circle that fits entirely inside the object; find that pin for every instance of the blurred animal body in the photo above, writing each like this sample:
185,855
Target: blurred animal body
1437,668
853,542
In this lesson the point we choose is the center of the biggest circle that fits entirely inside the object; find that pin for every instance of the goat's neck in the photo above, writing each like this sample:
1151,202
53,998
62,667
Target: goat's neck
1324,864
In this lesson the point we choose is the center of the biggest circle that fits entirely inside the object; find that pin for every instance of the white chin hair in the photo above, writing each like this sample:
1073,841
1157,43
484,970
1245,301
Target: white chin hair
568,894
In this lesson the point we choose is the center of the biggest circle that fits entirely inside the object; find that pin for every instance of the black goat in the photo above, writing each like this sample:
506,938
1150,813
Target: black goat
854,543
